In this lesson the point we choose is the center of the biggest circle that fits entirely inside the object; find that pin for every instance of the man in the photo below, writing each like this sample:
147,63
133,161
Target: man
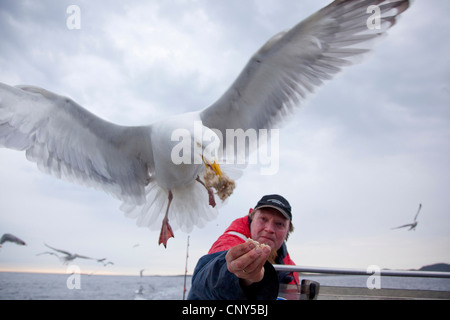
237,269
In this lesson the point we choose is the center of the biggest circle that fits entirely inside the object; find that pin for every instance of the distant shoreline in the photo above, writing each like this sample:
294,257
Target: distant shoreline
436,267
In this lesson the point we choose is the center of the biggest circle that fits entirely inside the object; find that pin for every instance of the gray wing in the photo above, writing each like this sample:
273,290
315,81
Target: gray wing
58,250
404,226
7,237
67,141
84,257
294,63
47,252
417,214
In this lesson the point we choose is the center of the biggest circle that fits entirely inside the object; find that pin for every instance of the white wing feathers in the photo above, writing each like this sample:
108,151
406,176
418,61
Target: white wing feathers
69,142
294,63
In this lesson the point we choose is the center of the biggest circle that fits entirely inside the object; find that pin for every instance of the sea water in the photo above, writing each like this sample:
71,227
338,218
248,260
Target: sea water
34,286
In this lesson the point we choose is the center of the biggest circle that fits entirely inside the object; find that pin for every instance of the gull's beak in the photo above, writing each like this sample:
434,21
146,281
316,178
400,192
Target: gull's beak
214,166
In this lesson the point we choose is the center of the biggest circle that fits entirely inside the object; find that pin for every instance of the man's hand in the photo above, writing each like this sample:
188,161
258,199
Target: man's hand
247,261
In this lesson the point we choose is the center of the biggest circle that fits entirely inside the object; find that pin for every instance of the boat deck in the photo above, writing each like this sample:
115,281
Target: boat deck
348,293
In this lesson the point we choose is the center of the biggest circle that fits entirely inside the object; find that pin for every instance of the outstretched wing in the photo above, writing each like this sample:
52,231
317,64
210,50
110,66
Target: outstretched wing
296,62
58,250
7,237
67,141
47,252
404,226
417,214
84,257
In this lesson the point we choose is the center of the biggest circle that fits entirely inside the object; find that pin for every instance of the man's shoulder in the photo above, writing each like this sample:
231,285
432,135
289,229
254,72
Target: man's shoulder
241,225
235,234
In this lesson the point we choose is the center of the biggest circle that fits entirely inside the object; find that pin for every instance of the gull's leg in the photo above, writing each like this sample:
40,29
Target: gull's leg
166,229
212,201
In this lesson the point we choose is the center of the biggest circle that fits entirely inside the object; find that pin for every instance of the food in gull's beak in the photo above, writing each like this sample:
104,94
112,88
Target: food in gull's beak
218,180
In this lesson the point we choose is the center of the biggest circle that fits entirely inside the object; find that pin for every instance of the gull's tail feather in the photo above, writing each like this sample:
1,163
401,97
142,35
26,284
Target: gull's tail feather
189,207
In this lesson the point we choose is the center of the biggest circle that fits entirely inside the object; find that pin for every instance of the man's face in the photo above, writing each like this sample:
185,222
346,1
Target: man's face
270,227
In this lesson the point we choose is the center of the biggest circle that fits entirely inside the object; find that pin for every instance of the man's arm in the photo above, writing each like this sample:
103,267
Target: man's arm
221,275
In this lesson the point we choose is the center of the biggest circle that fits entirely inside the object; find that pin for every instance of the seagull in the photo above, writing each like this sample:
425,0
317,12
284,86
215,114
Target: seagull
7,237
104,262
70,256
136,165
411,225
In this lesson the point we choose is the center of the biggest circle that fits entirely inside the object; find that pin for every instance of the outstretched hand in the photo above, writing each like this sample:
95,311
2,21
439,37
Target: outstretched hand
247,261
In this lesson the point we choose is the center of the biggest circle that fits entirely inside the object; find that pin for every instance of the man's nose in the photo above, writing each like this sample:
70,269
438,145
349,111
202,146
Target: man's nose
269,227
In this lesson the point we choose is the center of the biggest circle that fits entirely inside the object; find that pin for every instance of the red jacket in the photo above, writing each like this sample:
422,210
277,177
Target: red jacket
242,226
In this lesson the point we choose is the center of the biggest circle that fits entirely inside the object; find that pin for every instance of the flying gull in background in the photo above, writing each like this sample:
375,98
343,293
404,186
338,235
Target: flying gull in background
136,164
7,237
411,225
105,263
70,256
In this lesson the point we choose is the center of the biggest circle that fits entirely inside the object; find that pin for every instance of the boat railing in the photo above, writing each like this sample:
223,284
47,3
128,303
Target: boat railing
362,272
314,290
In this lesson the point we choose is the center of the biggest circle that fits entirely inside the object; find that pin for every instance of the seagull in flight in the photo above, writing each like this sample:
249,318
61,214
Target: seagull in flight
136,165
412,225
68,257
7,237
105,263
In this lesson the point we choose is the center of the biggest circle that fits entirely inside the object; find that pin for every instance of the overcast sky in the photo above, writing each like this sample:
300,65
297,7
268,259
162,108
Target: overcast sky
355,160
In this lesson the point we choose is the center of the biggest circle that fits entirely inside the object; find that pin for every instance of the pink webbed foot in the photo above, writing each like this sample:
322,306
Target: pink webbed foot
166,229
166,233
